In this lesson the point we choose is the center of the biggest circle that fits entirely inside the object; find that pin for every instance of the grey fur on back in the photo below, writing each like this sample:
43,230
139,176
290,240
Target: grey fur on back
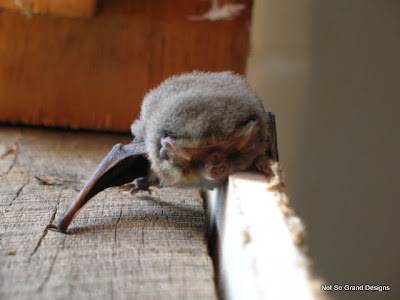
198,108
197,105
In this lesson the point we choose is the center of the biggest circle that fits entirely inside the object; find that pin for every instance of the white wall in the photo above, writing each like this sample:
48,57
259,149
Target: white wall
278,66
330,70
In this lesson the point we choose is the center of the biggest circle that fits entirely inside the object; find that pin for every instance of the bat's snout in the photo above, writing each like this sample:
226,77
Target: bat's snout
217,167
220,171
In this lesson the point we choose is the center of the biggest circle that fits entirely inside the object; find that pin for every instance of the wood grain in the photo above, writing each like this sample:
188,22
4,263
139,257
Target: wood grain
93,73
120,246
9,4
70,8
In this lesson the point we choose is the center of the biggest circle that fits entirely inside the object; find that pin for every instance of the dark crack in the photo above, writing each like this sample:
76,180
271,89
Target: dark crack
28,180
12,151
113,252
43,284
44,233
12,164
116,226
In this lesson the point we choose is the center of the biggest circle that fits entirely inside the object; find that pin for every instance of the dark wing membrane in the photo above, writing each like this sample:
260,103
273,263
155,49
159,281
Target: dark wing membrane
123,164
272,150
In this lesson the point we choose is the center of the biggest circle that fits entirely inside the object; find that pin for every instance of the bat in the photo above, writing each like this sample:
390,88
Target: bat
194,130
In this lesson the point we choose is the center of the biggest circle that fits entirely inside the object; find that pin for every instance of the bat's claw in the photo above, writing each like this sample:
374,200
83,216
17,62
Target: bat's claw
143,184
135,190
52,227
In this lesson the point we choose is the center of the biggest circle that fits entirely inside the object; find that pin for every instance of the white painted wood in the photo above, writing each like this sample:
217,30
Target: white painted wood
258,237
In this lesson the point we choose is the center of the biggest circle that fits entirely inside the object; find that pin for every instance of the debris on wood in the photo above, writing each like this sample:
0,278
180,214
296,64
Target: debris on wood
10,150
54,180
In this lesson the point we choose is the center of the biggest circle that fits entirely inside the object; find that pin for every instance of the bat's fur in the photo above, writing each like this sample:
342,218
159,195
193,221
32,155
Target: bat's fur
198,109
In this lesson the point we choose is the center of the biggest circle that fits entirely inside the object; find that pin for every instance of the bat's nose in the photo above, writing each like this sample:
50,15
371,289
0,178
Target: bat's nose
219,171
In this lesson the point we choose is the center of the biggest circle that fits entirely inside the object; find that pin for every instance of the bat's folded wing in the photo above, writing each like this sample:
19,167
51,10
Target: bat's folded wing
123,164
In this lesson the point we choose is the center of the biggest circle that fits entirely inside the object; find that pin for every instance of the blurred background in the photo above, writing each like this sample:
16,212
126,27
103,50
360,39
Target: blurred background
330,70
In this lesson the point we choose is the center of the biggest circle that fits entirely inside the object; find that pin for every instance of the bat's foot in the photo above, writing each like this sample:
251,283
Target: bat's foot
143,184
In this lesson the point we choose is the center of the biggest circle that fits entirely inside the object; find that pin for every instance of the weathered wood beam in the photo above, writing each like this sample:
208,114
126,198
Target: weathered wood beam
119,247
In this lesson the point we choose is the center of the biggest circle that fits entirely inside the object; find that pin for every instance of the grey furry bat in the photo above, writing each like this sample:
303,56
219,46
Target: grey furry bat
194,130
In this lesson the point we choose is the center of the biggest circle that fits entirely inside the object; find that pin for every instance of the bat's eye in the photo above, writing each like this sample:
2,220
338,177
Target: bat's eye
233,155
196,164
169,133
247,121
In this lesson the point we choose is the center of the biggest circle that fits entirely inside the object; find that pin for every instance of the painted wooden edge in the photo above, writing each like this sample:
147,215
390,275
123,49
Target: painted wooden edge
259,240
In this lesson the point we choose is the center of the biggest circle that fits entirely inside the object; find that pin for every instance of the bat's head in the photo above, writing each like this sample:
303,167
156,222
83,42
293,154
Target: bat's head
200,127
209,165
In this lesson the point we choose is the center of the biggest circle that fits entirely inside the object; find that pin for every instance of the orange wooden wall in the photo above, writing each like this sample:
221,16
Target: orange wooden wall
72,8
93,73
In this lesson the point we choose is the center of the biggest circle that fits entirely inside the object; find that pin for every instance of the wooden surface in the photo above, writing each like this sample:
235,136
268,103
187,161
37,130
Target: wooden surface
259,240
120,246
93,73
70,8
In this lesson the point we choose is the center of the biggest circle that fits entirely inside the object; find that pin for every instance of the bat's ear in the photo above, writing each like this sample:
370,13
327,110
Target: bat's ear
172,151
245,135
